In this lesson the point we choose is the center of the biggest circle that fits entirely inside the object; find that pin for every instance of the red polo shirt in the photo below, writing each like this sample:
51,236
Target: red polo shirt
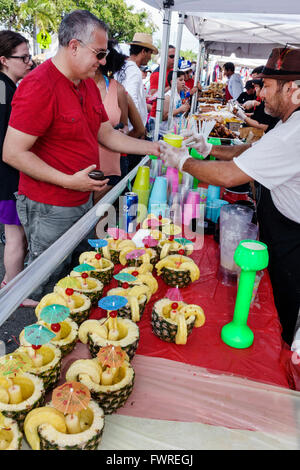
154,79
66,119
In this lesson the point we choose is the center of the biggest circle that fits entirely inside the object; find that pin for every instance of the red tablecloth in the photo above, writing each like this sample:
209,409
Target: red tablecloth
261,362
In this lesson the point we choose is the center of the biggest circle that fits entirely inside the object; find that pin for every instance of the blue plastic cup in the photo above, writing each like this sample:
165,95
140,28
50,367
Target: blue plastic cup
159,191
213,192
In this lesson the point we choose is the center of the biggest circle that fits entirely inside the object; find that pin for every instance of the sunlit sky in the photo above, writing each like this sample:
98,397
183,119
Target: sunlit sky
189,42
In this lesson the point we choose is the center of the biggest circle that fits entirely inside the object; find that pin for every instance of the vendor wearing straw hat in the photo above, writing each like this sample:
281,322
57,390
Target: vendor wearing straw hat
274,162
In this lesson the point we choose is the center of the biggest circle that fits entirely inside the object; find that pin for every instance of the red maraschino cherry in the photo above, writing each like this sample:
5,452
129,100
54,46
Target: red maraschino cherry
181,252
55,327
135,273
125,285
84,275
98,256
36,346
69,291
113,314
174,305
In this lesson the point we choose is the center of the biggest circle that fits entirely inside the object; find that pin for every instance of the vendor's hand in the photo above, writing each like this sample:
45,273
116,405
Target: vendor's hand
250,104
240,114
172,156
198,142
80,181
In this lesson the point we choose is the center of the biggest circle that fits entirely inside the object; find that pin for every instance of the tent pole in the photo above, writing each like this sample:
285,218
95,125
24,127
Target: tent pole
207,69
181,17
198,72
163,66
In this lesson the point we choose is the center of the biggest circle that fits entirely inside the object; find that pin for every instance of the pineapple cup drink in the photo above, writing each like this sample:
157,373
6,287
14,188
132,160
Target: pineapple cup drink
97,334
10,434
110,252
46,363
177,270
84,284
104,268
49,429
109,386
19,394
79,304
65,340
141,278
174,321
137,295
172,247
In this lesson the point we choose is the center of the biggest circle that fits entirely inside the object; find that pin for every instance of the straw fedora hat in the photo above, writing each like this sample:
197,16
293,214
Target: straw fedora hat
144,40
283,64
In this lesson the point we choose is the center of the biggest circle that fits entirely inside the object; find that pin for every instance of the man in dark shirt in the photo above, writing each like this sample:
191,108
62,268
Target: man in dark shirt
249,94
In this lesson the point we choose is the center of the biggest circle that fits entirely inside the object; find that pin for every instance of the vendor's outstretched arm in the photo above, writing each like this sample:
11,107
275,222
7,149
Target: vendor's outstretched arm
228,152
121,143
225,173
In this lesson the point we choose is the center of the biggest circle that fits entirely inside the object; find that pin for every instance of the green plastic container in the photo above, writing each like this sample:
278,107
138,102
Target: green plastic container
212,140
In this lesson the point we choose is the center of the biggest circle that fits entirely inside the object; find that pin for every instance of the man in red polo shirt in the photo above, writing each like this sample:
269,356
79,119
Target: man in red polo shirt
154,80
56,123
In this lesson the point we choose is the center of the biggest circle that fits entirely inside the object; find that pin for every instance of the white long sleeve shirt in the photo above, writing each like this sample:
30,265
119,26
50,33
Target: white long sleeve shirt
132,80
235,86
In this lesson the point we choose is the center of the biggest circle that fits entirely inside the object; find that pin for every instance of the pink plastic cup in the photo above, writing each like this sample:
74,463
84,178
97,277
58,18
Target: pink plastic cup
191,207
173,179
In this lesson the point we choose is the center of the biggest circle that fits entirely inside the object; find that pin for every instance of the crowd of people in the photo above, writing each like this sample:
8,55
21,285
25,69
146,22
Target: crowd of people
91,106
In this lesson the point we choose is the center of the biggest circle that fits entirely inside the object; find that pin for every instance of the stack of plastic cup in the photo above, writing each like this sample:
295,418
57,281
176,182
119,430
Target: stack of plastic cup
235,225
213,192
187,180
191,207
155,170
173,179
141,187
213,209
158,197
183,191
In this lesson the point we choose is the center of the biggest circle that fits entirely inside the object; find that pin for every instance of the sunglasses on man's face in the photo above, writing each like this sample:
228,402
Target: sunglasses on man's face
172,56
99,54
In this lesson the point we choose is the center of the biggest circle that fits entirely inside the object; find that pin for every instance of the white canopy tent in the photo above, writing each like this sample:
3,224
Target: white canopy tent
246,29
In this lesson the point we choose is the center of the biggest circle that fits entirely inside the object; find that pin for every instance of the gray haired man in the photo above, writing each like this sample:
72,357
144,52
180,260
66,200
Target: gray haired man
56,123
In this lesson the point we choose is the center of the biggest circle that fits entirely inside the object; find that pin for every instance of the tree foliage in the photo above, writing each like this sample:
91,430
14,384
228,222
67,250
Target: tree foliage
26,16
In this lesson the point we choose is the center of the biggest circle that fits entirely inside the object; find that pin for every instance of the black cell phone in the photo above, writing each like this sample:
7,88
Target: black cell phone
97,175
119,126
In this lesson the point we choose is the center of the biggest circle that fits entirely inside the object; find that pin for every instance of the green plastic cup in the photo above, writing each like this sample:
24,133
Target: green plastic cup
142,179
173,139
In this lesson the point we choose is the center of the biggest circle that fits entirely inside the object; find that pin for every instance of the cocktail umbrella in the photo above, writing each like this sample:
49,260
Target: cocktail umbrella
54,314
153,223
15,363
174,294
135,254
125,278
71,397
111,356
69,283
37,335
183,241
112,303
84,268
150,242
97,243
117,233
